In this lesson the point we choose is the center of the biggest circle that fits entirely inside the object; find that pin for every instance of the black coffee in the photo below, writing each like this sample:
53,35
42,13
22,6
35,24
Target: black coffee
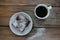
41,11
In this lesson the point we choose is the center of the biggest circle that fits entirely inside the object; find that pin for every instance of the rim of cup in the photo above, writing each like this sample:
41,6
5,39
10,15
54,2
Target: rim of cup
44,5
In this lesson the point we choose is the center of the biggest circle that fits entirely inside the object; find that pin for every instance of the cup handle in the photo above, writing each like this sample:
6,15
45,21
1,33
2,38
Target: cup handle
49,7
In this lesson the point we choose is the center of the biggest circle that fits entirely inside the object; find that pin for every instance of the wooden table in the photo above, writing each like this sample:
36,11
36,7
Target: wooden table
51,24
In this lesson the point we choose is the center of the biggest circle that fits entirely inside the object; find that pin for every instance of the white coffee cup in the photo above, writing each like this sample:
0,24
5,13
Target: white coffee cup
47,6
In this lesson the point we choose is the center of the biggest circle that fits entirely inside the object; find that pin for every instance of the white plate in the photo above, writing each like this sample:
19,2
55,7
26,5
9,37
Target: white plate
27,29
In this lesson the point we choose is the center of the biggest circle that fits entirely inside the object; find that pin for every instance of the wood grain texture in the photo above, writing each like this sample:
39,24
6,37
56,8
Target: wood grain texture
29,2
6,11
47,34
48,29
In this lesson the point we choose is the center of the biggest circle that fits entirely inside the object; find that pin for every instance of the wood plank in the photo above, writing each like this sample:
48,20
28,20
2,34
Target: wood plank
29,2
37,22
6,11
6,34
44,34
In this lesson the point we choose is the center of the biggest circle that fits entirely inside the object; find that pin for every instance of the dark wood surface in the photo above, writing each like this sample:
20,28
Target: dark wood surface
51,24
29,2
47,34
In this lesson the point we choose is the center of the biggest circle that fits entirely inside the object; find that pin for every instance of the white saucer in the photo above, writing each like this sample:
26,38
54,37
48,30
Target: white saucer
27,29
